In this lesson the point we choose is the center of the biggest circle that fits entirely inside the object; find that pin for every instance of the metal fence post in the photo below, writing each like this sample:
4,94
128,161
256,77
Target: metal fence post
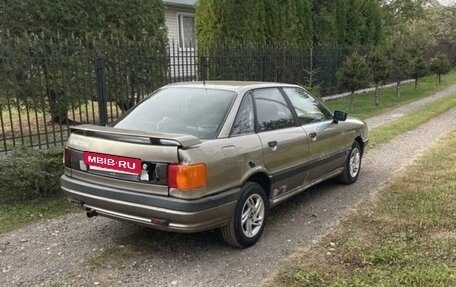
203,63
263,68
101,91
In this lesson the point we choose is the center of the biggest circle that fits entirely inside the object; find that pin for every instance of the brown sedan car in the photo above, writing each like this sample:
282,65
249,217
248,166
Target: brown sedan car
197,156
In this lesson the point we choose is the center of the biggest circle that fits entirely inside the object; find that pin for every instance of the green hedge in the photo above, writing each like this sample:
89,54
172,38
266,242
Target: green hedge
29,173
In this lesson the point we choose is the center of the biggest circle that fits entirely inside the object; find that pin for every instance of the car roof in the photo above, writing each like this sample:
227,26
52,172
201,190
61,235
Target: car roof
229,85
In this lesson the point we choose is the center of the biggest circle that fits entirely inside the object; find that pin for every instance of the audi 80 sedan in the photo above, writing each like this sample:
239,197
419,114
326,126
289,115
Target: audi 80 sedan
202,155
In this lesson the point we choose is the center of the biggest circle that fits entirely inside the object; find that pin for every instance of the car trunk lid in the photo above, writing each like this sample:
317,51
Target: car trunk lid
90,148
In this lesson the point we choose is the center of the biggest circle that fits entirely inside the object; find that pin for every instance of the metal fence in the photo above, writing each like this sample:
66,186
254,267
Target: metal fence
48,85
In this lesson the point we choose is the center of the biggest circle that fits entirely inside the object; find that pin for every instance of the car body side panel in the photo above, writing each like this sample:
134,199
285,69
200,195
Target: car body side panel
228,160
291,151
328,147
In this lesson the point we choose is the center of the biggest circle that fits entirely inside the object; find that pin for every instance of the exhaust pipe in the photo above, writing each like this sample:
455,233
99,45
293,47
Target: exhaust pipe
91,213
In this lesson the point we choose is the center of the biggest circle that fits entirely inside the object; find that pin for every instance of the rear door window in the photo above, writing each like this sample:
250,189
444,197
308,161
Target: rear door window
272,110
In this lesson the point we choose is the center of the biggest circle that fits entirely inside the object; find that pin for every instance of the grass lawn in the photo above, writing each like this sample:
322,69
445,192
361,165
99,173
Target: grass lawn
14,215
37,130
405,237
364,103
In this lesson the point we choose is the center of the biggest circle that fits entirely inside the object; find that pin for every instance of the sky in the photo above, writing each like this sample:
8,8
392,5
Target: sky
447,2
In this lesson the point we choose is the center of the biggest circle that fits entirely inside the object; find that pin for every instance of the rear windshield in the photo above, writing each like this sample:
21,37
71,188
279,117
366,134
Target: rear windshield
194,111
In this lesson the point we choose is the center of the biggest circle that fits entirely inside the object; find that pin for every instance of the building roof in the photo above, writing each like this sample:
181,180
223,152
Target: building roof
182,3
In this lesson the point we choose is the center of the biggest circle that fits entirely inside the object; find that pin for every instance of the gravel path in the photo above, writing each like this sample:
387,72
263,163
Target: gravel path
52,252
401,111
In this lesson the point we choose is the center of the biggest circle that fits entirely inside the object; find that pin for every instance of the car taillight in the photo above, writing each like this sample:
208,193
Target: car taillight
187,176
67,157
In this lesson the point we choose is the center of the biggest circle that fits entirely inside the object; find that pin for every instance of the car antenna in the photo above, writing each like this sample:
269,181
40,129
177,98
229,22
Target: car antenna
204,85
204,71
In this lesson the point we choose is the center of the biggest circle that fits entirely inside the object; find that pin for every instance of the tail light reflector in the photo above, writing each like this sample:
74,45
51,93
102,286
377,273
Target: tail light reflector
187,176
67,157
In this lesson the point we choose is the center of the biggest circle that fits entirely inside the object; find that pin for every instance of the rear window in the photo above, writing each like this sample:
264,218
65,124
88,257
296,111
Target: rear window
194,111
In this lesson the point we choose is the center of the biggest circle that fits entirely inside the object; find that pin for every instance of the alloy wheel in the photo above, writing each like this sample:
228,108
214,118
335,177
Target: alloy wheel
355,162
252,215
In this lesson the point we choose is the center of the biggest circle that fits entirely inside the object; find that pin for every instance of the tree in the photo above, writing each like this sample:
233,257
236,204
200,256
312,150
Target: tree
419,68
372,16
398,12
355,22
381,69
341,18
415,36
440,65
253,22
443,24
305,19
230,21
53,23
351,22
402,65
354,74
324,18
288,21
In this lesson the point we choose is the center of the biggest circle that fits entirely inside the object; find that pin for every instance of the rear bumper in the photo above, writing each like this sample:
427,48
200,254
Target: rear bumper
165,213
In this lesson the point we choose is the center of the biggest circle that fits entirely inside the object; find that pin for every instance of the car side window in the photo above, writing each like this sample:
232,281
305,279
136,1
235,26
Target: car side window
272,110
245,119
308,109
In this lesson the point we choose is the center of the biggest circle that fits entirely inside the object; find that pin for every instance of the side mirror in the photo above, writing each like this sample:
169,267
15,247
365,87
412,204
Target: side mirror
339,116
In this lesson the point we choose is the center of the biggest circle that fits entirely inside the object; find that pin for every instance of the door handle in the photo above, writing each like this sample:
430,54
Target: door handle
272,144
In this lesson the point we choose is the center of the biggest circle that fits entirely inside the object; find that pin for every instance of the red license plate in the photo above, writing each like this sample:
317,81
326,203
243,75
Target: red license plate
113,162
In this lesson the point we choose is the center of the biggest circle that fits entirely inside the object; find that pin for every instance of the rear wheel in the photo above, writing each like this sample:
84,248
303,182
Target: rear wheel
247,223
352,165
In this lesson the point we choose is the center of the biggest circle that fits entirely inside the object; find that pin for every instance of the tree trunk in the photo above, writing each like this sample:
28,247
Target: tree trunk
416,84
398,87
58,109
440,80
125,104
128,102
376,94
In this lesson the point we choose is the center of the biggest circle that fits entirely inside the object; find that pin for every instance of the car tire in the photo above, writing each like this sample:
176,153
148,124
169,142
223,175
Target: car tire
247,224
352,165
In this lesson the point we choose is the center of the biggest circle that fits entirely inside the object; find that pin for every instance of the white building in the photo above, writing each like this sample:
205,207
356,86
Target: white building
180,22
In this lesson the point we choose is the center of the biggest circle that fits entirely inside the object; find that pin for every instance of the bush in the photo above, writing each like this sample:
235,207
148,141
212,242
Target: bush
29,173
440,65
402,66
419,68
354,74
380,66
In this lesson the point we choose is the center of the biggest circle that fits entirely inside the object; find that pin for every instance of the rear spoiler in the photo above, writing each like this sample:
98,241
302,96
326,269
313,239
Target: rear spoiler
138,137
